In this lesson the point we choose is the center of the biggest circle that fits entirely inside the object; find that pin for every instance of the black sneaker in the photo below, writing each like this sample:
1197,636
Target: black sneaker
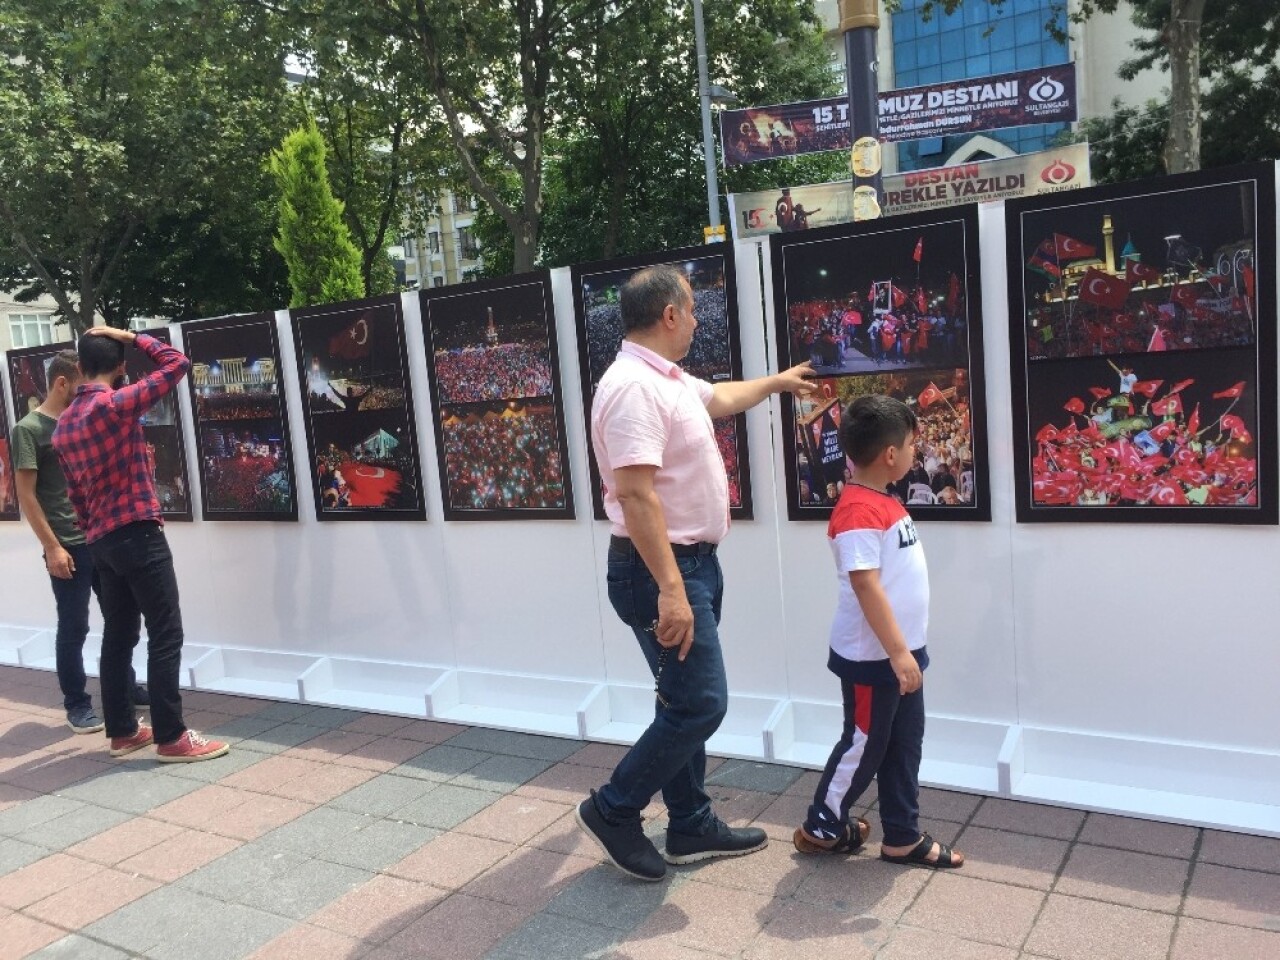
721,840
84,720
624,844
140,696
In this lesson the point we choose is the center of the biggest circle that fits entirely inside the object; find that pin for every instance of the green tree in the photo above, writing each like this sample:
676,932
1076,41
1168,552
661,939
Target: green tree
117,116
324,265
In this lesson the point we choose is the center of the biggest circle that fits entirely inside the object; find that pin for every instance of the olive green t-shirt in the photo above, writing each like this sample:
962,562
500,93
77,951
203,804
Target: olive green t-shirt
33,450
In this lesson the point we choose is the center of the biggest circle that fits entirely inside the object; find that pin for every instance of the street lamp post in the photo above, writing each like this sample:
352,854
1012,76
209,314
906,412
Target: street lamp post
860,22
708,141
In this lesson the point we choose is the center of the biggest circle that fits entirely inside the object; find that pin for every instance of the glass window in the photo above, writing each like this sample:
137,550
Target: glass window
1027,57
1028,28
1003,36
975,40
976,12
953,44
929,75
906,78
1002,61
929,51
905,57
904,26
979,66
930,148
954,70
31,329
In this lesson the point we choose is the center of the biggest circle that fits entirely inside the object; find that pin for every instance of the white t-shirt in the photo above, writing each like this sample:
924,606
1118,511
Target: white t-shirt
648,411
873,531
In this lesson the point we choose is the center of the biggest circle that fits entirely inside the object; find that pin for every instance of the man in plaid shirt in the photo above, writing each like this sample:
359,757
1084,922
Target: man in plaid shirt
100,442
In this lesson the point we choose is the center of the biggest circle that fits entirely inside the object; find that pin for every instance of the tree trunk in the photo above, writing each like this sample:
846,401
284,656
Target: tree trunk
617,205
1182,37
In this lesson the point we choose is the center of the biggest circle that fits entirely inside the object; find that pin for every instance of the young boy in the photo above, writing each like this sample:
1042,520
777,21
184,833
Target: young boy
877,647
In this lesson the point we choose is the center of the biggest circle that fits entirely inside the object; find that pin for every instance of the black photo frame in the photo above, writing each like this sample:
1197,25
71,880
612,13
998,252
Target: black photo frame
894,307
1143,350
8,484
243,445
715,355
357,402
497,401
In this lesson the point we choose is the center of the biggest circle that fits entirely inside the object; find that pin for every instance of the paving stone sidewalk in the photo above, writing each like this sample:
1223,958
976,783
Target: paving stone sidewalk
335,834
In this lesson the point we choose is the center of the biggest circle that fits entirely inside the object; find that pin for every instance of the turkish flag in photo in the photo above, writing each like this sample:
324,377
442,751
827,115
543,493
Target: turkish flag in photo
1167,405
1185,294
929,396
1238,430
1193,425
1074,405
1069,248
1182,385
1232,392
1100,392
353,342
1135,271
1103,290
1147,388
1168,493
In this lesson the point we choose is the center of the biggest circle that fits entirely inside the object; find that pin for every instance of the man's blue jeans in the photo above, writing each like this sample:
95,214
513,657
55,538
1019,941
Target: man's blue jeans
72,599
670,755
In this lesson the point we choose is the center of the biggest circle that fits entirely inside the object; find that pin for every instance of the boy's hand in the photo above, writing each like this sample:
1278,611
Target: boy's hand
907,671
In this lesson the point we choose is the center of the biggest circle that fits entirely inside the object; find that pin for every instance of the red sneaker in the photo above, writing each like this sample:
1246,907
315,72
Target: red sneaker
189,748
120,746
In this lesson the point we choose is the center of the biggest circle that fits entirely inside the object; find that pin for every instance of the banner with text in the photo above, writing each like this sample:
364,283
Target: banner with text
1042,95
822,204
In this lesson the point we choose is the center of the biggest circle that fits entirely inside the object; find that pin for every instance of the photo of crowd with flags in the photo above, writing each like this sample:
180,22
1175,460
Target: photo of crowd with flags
943,472
27,369
1163,271
710,357
491,344
895,297
504,456
8,485
241,425
1162,430
359,418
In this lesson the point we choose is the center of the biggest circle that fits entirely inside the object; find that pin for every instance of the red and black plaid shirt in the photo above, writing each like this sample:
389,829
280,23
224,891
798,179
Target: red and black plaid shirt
100,442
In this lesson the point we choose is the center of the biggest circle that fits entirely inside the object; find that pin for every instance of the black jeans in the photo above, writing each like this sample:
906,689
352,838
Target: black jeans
72,599
136,580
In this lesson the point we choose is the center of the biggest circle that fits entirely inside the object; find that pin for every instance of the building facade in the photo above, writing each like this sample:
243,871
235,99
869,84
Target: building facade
446,251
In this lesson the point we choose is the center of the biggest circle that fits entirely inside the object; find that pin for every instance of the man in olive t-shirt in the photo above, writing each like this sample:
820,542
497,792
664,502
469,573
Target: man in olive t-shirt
43,500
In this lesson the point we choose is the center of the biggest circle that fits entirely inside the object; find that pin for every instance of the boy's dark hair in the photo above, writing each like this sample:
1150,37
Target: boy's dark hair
99,355
870,424
63,364
647,294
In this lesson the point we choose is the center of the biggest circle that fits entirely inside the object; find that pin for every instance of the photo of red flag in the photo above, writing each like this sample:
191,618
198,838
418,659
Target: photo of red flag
1236,427
1156,345
953,294
1100,392
929,396
1074,405
919,254
1167,405
353,342
1103,290
1181,385
1232,392
1193,424
1147,388
1135,271
1068,248
899,298
1185,294
1247,272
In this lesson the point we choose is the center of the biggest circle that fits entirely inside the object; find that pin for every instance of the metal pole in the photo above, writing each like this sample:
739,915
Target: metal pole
860,23
708,142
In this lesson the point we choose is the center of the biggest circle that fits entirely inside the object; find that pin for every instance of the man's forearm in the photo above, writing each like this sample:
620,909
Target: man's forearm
36,519
647,528
738,395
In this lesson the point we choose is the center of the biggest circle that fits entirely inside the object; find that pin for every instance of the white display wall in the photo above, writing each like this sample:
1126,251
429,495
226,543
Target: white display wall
1122,668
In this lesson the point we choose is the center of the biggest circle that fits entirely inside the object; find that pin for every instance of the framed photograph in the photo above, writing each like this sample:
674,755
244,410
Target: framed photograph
241,422
888,307
496,400
8,486
166,449
1142,322
357,405
715,354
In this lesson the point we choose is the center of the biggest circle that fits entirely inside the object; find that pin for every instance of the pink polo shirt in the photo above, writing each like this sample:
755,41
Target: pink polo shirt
648,411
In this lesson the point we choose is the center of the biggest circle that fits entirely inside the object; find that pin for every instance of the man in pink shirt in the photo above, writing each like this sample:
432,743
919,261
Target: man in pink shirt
667,497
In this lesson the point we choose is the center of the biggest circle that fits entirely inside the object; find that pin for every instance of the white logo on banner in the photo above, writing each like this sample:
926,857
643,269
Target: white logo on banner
1047,90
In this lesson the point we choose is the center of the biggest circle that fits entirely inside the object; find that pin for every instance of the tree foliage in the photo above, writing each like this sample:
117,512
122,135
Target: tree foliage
324,265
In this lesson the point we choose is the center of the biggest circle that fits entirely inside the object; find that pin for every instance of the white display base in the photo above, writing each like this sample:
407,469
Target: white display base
255,673
12,640
507,701
379,687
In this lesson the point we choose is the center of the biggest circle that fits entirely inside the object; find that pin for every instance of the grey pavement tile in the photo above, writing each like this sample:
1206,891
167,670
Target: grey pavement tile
554,749
314,832
303,890
550,936
284,710
14,854
378,845
133,790
750,775
281,737
174,923
17,820
244,867
382,795
606,895
70,828
502,773
243,727
329,717
212,771
76,947
440,763
446,806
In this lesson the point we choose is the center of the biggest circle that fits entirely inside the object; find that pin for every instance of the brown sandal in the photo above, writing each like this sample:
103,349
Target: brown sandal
846,843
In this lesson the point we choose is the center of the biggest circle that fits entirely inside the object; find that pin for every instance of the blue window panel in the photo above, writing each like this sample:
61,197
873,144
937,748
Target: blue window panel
976,12
1028,28
1027,57
930,75
929,51
905,56
976,40
979,66
1028,6
928,27
954,70
906,78
1003,36
952,45
904,27
1002,61
930,147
